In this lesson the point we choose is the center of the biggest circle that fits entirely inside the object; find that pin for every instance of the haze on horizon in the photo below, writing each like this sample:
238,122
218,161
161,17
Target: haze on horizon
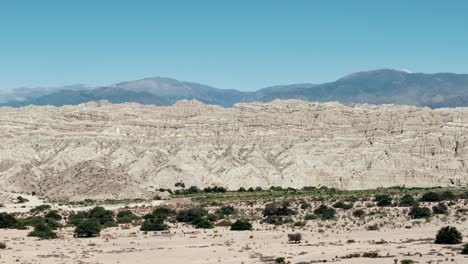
242,45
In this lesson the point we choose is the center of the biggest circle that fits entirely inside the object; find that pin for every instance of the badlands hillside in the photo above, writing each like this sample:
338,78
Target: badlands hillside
101,150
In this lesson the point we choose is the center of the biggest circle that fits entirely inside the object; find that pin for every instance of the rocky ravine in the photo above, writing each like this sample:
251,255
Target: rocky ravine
101,150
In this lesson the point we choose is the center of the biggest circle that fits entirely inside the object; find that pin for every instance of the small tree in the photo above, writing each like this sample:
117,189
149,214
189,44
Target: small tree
241,225
295,237
448,235
43,231
154,224
88,228
407,201
417,212
325,212
105,217
126,217
430,197
383,200
7,220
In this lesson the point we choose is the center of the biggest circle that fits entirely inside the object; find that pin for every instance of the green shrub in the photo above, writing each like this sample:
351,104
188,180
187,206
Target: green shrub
2,245
325,212
278,209
280,260
105,217
88,228
191,214
294,237
226,210
241,225
407,201
359,213
40,208
342,205
75,218
407,261
154,224
7,220
383,200
448,235
465,250
202,223
417,212
440,208
374,227
430,197
126,217
21,199
448,196
370,255
43,231
53,215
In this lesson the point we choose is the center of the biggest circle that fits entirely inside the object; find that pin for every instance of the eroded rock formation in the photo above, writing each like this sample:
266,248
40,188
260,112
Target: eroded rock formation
102,150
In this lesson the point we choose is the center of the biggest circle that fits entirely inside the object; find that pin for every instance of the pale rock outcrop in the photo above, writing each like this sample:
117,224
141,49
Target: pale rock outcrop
101,150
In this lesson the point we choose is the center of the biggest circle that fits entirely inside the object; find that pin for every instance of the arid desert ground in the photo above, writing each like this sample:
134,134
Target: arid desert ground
383,234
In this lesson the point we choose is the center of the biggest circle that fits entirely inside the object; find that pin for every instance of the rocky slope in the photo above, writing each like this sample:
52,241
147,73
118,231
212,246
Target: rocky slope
102,150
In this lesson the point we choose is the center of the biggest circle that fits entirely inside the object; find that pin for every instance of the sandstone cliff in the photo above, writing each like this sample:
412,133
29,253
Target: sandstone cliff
102,150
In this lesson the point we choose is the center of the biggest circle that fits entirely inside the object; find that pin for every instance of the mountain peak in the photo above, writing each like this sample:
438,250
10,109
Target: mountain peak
386,71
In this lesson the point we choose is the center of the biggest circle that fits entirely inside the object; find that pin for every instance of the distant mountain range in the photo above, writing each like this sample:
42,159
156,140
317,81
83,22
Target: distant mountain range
385,86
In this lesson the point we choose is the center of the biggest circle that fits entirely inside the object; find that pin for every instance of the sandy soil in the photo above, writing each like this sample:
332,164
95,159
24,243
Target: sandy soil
184,244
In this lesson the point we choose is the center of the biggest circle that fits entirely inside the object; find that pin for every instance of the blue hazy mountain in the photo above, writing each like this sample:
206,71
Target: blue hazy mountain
383,86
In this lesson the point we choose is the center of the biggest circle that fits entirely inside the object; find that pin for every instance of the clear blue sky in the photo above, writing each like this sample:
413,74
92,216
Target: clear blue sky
237,44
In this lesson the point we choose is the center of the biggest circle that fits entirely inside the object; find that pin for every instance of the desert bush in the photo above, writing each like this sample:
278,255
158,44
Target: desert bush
430,197
241,225
383,200
407,261
202,223
464,250
75,218
88,228
304,204
325,212
370,255
448,196
359,213
294,237
407,201
417,212
53,215
226,210
448,235
21,199
342,205
43,231
40,208
190,214
126,217
105,217
215,189
154,224
7,220
278,209
280,260
2,245
373,227
440,208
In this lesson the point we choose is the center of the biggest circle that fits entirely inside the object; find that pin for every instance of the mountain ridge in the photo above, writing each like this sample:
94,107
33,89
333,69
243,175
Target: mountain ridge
381,86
